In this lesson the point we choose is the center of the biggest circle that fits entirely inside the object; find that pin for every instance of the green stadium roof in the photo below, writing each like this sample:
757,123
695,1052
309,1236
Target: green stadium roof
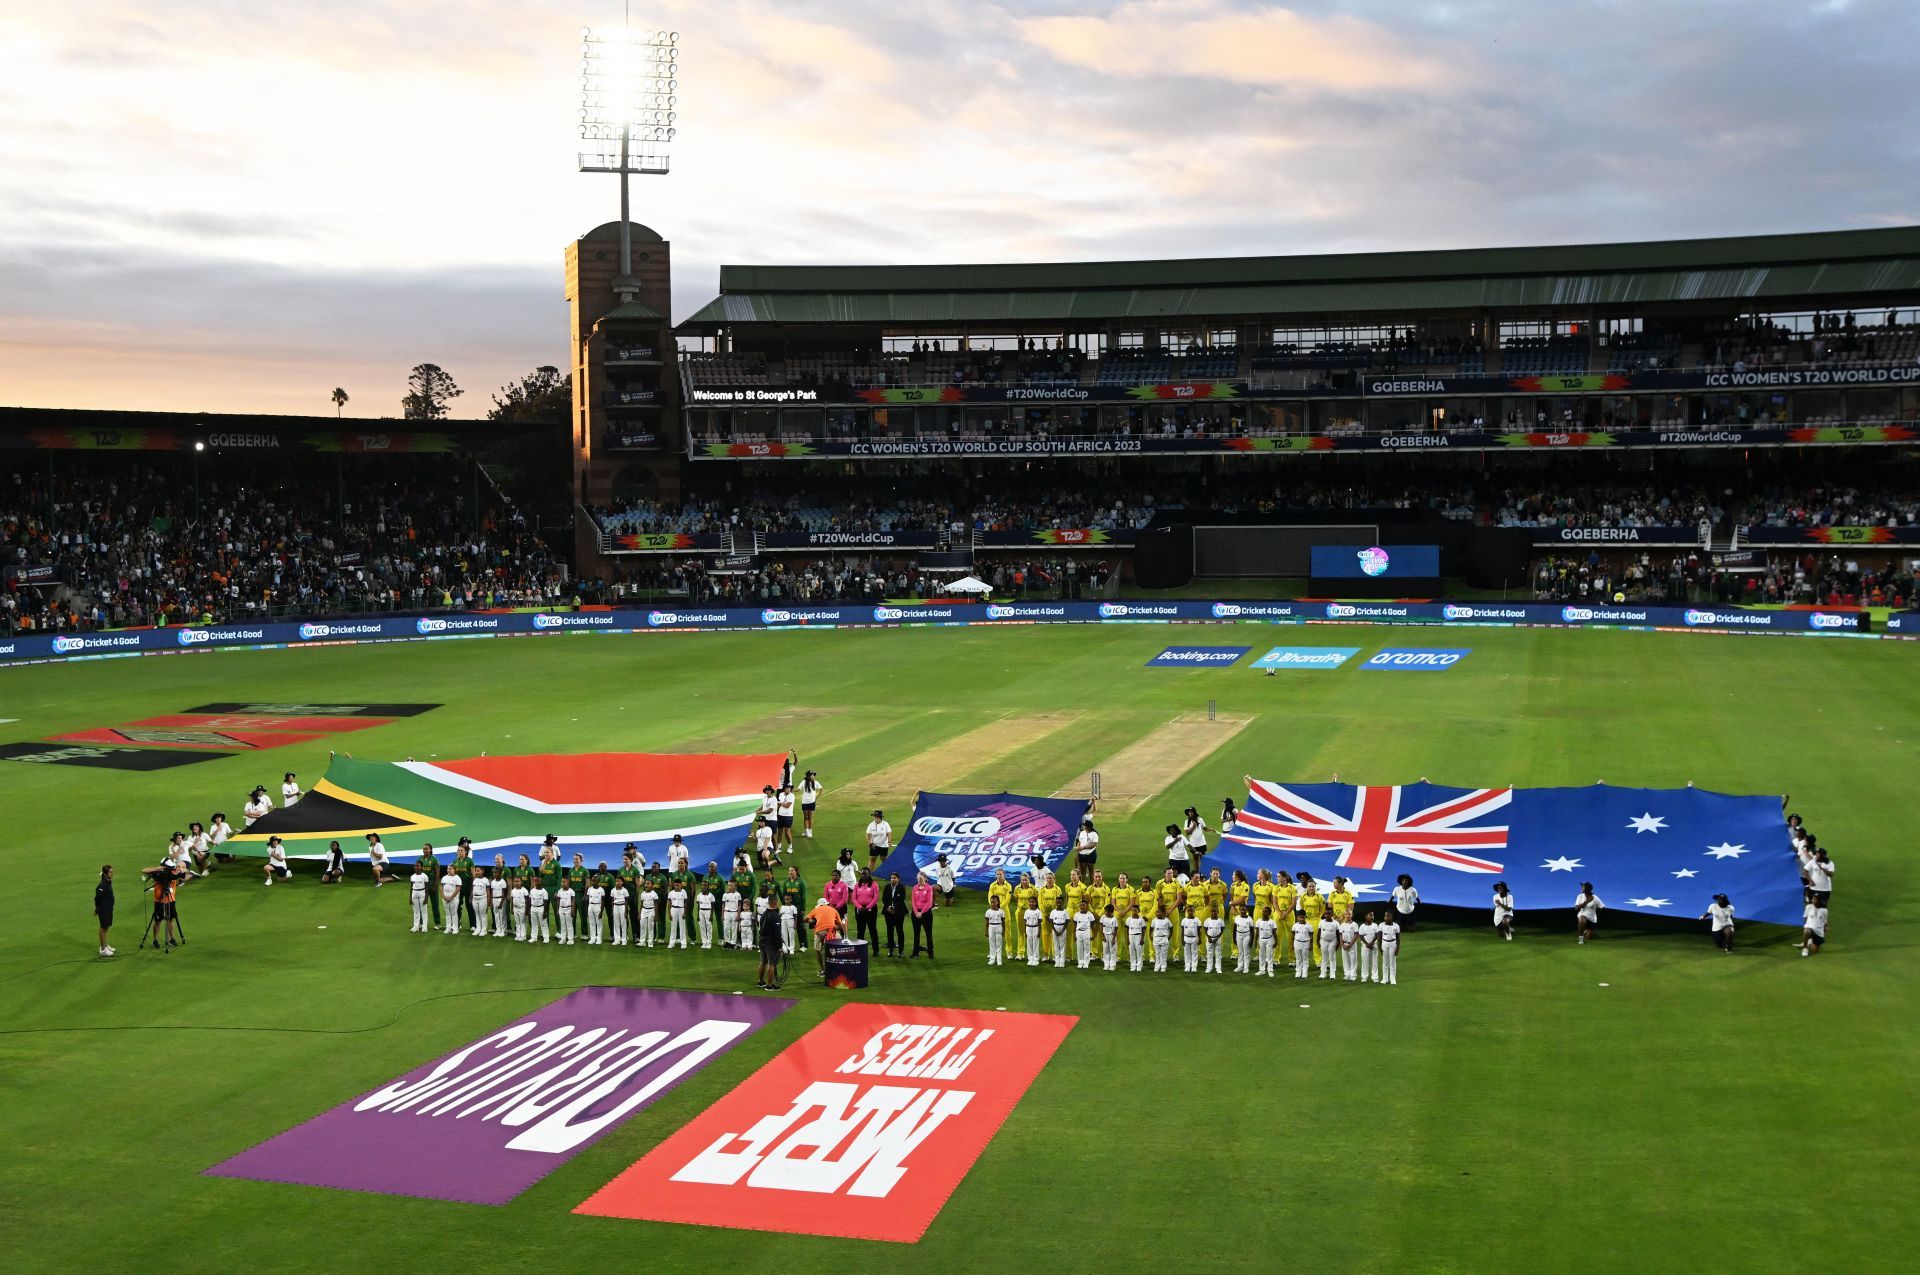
1772,270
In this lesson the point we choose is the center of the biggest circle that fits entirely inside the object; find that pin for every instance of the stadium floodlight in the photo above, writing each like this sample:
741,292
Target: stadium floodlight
629,87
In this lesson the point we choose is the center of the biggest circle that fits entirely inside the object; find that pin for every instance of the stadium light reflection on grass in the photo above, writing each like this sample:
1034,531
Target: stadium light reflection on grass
628,95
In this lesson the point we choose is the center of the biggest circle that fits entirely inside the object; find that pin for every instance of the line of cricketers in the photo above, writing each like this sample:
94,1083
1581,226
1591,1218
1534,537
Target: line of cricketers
1365,951
633,904
1174,897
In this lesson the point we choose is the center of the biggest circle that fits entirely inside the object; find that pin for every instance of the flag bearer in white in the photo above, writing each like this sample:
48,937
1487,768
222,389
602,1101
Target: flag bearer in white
703,917
996,935
1215,929
596,910
1388,970
481,897
519,895
617,899
537,926
1263,935
1369,948
563,898
1586,911
417,893
649,913
1302,944
676,916
450,903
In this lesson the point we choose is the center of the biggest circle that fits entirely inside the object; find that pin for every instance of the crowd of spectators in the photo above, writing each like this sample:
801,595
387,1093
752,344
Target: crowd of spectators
697,581
1750,578
144,544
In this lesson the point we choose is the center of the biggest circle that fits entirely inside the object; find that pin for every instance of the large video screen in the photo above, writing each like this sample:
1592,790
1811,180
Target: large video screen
1376,562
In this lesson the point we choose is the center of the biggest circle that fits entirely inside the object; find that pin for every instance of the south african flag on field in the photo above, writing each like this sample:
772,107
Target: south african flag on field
595,803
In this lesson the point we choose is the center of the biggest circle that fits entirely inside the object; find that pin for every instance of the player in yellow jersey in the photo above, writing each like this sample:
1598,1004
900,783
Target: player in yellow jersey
1024,897
1341,900
1214,899
1000,895
1099,898
1049,900
1314,904
1286,898
1263,903
1173,907
1076,894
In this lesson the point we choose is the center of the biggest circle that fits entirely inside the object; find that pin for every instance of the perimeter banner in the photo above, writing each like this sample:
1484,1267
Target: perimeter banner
981,832
861,1129
487,1121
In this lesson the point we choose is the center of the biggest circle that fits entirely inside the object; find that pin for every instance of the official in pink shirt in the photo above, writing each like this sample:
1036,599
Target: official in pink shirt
923,915
866,909
836,893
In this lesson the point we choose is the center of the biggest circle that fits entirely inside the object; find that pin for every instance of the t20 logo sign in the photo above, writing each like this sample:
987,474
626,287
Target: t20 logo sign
862,1128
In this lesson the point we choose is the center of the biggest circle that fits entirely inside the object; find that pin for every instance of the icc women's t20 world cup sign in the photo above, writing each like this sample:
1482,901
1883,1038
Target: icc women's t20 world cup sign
980,832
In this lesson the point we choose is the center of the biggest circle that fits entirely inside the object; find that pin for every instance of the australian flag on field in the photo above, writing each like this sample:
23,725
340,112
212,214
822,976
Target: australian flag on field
1661,851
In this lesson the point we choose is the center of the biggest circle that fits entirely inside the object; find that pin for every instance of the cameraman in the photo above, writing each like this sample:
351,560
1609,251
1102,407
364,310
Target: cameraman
164,881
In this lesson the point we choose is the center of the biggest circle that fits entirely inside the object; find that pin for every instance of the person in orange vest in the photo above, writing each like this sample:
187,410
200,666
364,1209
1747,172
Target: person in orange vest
825,922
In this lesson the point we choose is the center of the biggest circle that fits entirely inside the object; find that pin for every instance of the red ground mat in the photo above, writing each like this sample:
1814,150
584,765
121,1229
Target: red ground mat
862,1128
257,722
231,741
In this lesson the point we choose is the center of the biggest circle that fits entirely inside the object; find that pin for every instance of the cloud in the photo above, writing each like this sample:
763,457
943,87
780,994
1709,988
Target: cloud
1200,38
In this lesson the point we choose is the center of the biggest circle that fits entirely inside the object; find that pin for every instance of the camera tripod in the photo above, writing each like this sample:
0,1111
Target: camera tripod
157,928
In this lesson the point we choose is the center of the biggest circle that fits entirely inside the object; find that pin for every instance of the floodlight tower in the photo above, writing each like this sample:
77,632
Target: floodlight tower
628,91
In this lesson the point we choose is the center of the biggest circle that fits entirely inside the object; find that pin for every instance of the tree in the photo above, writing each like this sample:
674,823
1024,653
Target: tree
535,465
339,399
542,395
429,390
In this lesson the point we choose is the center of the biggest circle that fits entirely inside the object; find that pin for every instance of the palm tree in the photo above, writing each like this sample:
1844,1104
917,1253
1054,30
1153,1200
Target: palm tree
339,400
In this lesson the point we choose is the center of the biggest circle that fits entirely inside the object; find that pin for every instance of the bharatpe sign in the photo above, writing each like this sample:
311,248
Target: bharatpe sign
1431,659
1306,657
860,1129
979,832
1197,656
487,1121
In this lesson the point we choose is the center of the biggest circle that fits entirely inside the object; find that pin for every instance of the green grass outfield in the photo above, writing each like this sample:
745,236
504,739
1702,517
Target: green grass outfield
1499,1110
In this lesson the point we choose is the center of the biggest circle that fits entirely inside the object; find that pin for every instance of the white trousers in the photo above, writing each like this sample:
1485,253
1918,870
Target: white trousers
500,919
566,927
620,927
1266,960
1350,961
1366,963
1215,954
1329,959
1033,945
1110,953
419,914
729,928
479,902
1160,957
1389,969
520,923
645,938
1302,954
789,934
1136,952
451,922
1085,953
537,931
1244,960
704,922
1190,957
1060,949
595,923
996,946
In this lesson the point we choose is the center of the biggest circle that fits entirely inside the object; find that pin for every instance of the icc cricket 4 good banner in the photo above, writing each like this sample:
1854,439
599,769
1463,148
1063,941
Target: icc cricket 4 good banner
489,1120
979,832
862,1128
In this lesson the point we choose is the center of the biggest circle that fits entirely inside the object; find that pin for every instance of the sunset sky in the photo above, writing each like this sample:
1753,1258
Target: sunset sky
221,205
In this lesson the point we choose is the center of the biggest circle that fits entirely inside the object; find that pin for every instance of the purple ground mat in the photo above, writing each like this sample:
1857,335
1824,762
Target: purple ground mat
487,1121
